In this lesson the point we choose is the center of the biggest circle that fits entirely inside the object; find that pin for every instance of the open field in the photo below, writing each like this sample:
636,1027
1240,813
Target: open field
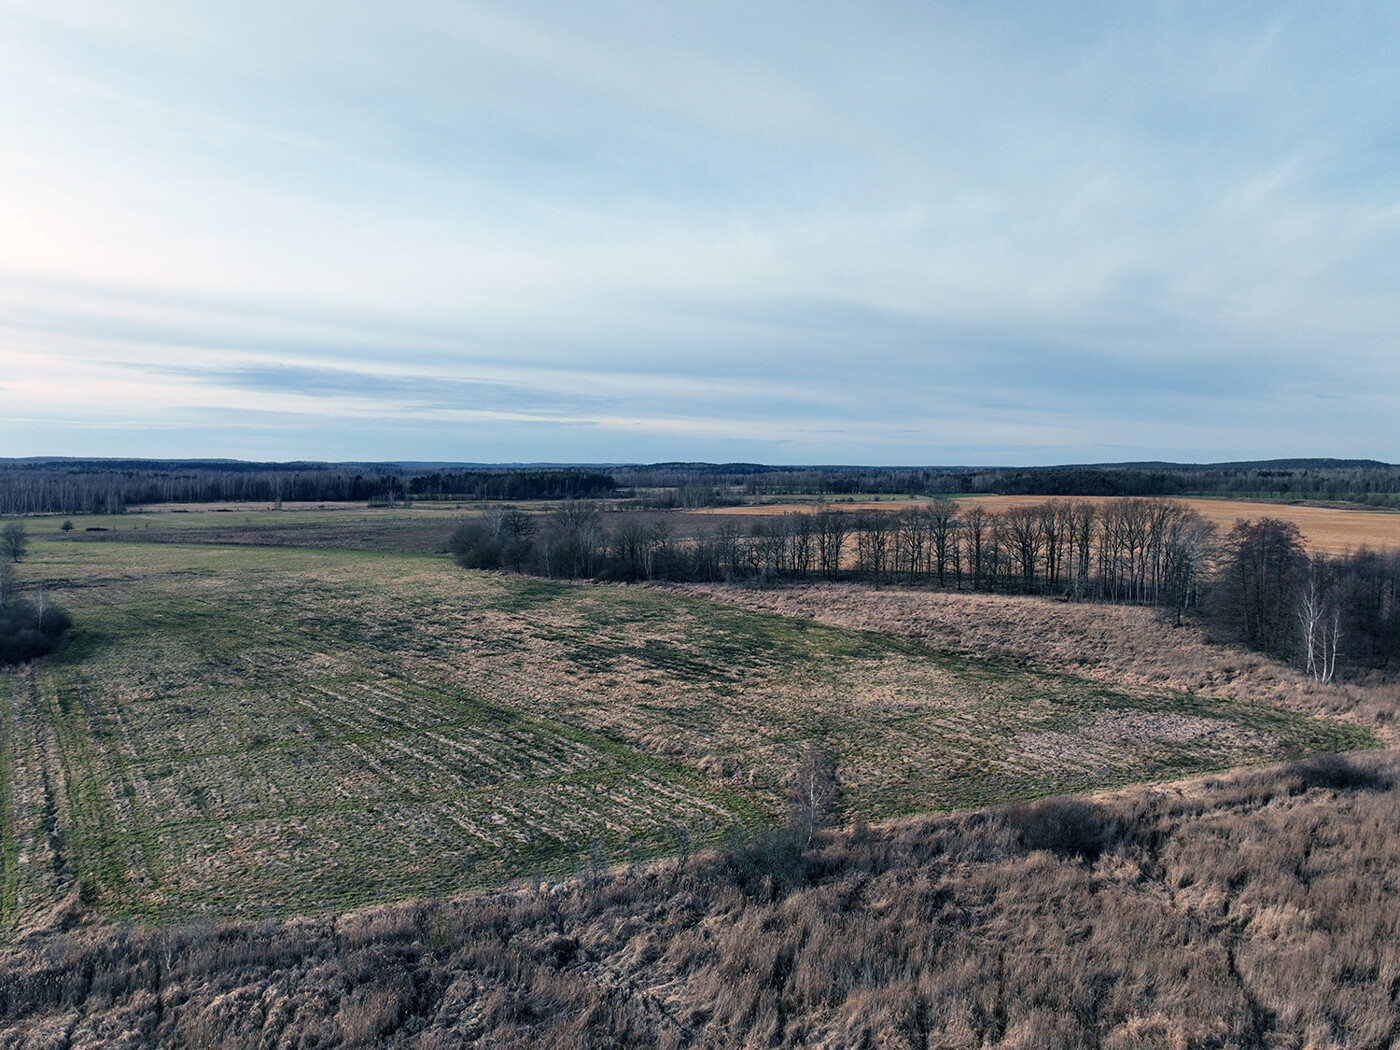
1329,529
255,730
209,741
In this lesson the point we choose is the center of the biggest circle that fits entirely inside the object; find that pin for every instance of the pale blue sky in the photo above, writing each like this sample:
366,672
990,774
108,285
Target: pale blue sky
819,232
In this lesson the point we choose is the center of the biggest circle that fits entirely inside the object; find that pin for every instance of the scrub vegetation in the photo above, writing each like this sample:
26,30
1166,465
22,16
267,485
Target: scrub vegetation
1255,910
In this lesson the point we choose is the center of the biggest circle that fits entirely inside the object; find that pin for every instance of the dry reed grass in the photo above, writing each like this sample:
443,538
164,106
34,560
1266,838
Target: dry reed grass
1257,910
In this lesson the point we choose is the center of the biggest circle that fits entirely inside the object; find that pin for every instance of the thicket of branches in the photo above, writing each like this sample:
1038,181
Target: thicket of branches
27,628
1317,611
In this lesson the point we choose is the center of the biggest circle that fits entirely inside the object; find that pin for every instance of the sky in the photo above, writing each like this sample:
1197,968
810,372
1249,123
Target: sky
867,233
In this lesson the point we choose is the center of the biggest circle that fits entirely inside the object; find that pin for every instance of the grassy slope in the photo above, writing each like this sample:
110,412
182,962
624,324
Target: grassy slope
274,730
1257,910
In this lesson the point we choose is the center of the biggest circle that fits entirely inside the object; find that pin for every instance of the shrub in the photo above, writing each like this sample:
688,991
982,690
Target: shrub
14,541
25,632
475,546
1067,827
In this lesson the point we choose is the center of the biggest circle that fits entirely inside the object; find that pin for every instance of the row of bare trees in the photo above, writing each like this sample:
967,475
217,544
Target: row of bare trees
1257,585
1134,550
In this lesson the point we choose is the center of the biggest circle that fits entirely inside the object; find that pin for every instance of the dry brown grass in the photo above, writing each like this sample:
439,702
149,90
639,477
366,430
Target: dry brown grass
1253,911
1116,644
252,729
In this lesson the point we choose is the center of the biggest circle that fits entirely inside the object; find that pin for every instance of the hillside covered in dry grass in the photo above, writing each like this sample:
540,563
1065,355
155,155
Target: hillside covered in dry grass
1259,909
1120,644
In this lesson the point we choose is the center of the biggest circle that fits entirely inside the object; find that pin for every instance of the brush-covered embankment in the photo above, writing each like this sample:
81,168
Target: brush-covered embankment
1257,909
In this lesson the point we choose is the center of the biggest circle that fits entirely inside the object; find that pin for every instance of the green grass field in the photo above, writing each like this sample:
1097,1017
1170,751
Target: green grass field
260,730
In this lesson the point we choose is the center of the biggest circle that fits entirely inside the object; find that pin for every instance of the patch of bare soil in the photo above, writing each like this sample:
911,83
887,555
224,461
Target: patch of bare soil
1115,736
1117,644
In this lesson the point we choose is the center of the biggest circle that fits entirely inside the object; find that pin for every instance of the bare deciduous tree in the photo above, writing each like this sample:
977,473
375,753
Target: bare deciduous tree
1320,617
814,798
14,541
832,527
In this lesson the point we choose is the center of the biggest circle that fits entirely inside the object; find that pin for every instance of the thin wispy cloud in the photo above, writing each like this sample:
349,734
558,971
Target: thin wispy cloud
865,233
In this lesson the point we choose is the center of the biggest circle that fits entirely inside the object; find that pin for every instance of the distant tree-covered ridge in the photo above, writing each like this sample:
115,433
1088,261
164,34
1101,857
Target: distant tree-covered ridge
113,486
96,486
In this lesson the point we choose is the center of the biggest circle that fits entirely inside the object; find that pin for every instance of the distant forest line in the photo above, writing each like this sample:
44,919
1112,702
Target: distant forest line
101,486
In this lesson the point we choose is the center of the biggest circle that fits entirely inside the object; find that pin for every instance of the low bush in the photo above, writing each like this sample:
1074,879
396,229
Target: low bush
474,547
1067,827
27,632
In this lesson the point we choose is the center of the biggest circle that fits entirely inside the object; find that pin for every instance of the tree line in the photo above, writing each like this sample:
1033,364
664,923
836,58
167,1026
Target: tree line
95,487
1148,551
1332,479
511,485
100,486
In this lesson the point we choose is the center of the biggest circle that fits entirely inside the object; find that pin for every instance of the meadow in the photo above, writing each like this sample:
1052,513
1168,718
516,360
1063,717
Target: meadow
283,730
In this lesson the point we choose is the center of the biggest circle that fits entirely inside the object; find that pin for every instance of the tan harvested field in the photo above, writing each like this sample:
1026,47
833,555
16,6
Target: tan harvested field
242,729
1327,529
